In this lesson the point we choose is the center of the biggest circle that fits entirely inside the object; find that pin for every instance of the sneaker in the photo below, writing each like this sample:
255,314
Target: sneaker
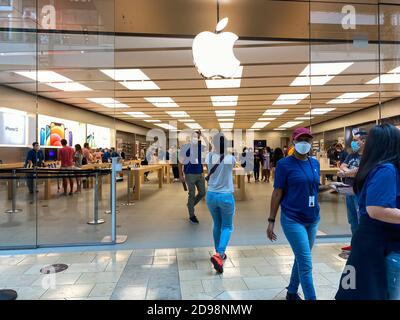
224,257
348,248
217,262
293,296
194,220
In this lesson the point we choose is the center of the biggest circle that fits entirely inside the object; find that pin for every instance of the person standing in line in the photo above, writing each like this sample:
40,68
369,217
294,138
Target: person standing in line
348,171
87,154
66,157
220,200
257,162
191,172
34,158
266,164
106,155
374,261
78,157
296,185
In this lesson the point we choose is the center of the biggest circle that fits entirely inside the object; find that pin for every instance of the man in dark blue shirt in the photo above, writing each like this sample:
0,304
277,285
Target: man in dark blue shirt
191,158
34,158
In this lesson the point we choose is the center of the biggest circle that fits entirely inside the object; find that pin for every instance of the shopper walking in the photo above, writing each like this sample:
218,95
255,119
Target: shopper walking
296,191
348,170
191,172
373,270
66,157
219,199
34,158
78,157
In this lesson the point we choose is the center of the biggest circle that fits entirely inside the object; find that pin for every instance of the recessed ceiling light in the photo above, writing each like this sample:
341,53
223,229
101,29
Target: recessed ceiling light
193,125
225,113
166,126
69,86
319,111
226,83
137,114
259,125
226,125
185,120
126,74
288,99
392,76
108,102
266,119
44,76
226,120
274,112
304,118
280,129
224,101
152,120
290,124
320,73
140,85
162,102
178,114
350,97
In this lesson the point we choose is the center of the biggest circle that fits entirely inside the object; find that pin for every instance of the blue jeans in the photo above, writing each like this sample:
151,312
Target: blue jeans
301,237
393,275
352,212
222,208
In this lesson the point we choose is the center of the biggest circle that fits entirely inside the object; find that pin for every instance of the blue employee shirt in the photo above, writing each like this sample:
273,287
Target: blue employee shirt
381,188
37,158
193,163
297,180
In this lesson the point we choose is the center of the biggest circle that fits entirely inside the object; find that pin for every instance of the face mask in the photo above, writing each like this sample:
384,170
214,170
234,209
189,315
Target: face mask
302,147
195,140
355,146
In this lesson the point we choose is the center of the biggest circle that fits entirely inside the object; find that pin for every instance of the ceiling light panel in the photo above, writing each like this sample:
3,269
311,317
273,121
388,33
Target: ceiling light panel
152,120
165,126
289,99
108,102
140,85
224,101
274,112
125,74
137,114
350,97
225,113
177,114
319,111
266,119
304,118
259,125
290,124
226,125
69,86
194,126
44,76
162,102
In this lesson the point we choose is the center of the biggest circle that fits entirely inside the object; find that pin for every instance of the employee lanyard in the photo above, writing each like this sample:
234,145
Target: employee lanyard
311,183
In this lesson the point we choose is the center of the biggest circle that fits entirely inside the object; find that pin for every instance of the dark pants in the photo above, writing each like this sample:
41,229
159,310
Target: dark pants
256,172
175,171
194,181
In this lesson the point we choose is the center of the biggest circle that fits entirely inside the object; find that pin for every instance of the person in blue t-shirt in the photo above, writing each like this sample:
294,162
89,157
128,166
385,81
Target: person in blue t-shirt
375,254
191,158
34,158
297,179
348,170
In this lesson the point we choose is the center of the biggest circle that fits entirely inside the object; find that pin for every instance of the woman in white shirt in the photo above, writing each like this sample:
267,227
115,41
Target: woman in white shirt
219,199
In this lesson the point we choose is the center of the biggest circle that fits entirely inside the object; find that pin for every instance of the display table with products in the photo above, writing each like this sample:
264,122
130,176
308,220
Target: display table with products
324,171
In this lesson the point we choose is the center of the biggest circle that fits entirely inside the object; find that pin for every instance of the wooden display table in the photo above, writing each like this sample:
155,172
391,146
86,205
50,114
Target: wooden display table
138,175
325,171
240,181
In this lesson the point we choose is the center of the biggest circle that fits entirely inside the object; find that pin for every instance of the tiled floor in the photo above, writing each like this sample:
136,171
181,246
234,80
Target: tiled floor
251,272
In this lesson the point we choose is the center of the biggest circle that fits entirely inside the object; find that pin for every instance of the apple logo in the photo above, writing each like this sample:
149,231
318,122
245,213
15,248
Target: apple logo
213,52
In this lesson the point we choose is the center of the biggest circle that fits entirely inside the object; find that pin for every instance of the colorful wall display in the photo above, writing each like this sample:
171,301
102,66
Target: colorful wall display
52,130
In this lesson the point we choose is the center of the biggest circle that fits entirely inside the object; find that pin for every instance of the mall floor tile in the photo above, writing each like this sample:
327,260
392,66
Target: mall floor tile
251,272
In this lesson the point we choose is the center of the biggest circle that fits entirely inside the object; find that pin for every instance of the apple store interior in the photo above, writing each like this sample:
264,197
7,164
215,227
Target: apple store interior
111,73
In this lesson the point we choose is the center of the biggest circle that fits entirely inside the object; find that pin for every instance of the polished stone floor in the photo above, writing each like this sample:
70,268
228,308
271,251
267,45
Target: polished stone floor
251,272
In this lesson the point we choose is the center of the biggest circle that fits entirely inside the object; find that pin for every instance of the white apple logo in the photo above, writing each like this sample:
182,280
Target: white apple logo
213,52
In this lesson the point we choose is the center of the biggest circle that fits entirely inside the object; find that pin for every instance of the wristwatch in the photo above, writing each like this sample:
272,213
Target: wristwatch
271,220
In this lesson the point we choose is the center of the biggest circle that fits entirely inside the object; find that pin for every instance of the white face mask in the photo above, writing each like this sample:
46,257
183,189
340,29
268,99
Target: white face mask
302,147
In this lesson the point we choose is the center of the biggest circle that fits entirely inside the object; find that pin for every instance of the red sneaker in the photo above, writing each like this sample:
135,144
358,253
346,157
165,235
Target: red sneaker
218,263
348,248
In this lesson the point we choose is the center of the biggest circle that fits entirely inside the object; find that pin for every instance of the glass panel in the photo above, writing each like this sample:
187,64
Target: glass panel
18,213
76,104
344,57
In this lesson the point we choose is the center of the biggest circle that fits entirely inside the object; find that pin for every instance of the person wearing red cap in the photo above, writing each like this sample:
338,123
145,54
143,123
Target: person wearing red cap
297,179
